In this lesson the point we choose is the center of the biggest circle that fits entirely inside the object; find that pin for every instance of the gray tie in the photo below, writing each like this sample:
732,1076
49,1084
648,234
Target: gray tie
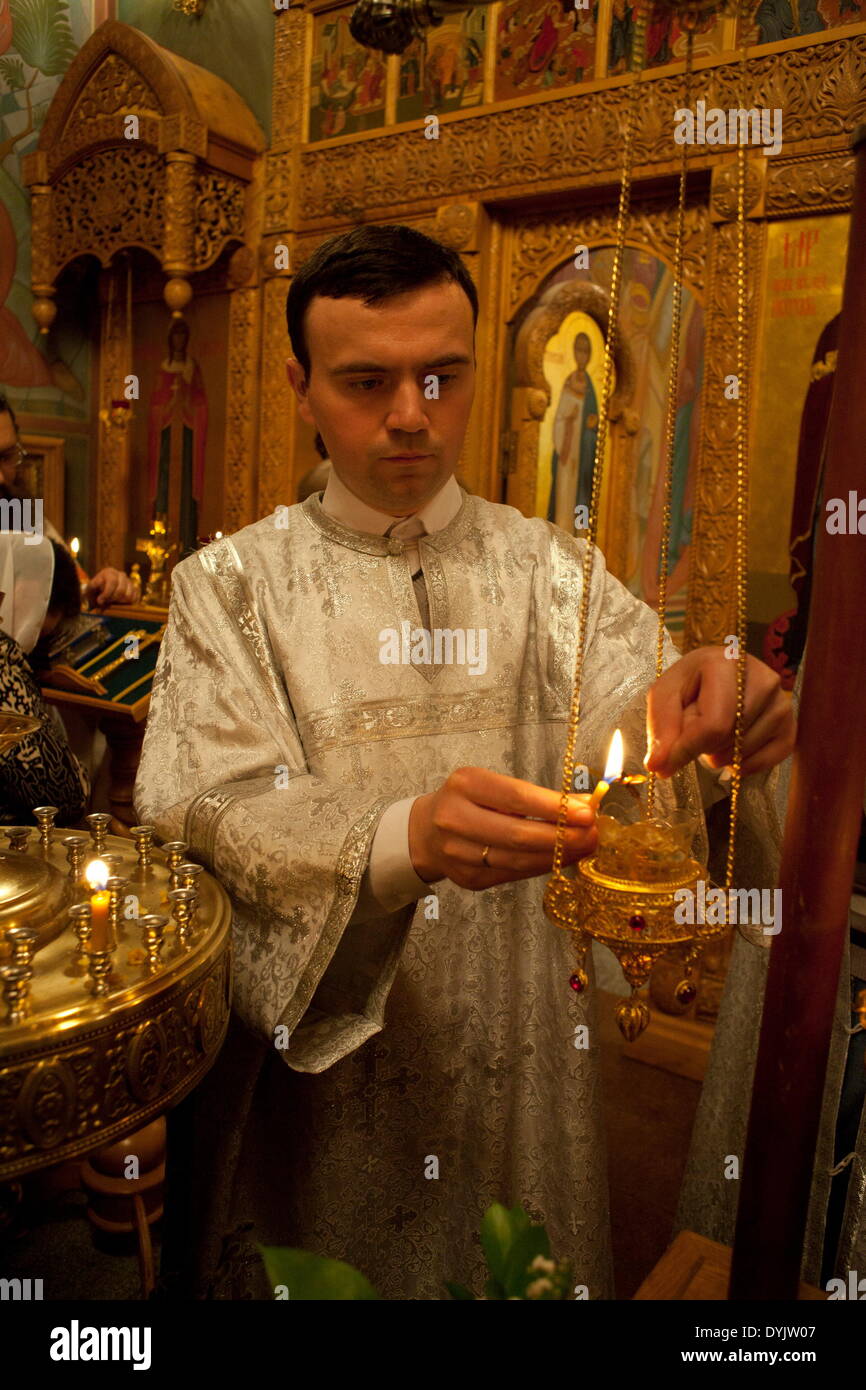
420,587
418,584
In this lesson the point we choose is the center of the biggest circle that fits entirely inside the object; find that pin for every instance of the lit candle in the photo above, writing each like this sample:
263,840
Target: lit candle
612,770
96,874
75,546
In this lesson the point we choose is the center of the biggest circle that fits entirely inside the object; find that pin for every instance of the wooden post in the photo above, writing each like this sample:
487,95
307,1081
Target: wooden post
820,843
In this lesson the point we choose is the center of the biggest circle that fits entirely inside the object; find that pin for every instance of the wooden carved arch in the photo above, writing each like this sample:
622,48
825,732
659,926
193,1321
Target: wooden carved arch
142,149
531,398
139,148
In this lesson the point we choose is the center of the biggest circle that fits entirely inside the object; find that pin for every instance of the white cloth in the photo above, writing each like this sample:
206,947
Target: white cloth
26,574
390,881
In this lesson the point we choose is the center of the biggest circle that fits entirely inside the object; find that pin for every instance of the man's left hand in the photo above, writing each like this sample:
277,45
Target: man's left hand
110,586
692,707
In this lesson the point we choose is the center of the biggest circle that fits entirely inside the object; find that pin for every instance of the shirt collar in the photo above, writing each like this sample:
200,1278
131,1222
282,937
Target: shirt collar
344,506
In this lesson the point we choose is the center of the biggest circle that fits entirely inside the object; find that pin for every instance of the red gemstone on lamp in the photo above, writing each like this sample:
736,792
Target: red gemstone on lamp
685,992
578,982
637,922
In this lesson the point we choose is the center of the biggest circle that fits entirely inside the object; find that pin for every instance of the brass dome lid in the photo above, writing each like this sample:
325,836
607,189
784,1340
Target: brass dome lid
32,894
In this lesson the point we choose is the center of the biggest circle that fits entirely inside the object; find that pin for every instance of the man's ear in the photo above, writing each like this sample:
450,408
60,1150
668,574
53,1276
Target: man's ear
295,374
298,383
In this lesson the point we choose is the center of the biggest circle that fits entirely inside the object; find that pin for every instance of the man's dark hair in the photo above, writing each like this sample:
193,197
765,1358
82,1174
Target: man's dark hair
372,263
65,598
6,409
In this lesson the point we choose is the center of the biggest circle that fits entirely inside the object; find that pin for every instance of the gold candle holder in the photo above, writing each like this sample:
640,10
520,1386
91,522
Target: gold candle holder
79,917
16,991
183,902
18,839
116,887
99,970
174,851
98,823
23,942
75,846
189,874
143,837
153,938
45,819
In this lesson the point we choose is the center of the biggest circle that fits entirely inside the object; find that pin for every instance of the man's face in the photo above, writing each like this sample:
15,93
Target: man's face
367,392
8,449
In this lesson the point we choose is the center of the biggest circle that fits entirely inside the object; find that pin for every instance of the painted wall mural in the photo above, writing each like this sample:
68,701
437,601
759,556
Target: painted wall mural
347,82
542,45
775,20
665,39
446,71
38,40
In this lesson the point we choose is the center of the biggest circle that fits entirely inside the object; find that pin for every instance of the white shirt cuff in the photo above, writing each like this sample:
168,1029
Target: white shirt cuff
715,782
389,881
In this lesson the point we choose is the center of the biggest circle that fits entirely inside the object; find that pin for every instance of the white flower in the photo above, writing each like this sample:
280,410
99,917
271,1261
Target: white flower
543,1265
538,1287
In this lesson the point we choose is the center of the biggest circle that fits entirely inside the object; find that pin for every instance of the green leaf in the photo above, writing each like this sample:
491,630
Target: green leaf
527,1244
12,72
312,1277
519,1219
493,1290
42,35
496,1238
460,1292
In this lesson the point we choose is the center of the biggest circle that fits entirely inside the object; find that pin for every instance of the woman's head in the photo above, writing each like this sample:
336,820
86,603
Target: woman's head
64,601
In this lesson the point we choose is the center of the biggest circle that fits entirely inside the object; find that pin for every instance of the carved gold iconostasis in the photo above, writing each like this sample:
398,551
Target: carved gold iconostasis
514,185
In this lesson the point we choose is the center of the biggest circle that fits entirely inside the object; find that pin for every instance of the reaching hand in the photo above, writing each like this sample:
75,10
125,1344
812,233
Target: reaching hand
110,586
476,809
692,707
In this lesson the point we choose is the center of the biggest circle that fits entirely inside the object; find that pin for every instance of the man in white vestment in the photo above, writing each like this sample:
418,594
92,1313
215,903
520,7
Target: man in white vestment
358,724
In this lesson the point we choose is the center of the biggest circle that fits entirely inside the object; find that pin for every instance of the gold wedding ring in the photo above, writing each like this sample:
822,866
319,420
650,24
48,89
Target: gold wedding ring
484,858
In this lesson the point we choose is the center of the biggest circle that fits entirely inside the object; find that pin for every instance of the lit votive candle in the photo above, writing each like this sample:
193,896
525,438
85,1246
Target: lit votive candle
96,874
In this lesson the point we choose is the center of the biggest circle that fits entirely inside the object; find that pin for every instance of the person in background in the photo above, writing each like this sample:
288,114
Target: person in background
108,585
38,588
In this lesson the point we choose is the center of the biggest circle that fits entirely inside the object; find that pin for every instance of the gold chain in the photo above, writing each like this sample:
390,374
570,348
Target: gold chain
638,47
742,490
673,392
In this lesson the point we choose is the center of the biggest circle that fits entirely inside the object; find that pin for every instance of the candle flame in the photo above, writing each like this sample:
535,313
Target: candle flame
96,874
613,766
75,546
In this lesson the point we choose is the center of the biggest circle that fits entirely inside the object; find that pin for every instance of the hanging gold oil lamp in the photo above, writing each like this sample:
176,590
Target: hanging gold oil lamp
626,895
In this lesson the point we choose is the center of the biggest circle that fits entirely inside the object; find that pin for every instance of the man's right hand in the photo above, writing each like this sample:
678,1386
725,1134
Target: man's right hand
474,808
